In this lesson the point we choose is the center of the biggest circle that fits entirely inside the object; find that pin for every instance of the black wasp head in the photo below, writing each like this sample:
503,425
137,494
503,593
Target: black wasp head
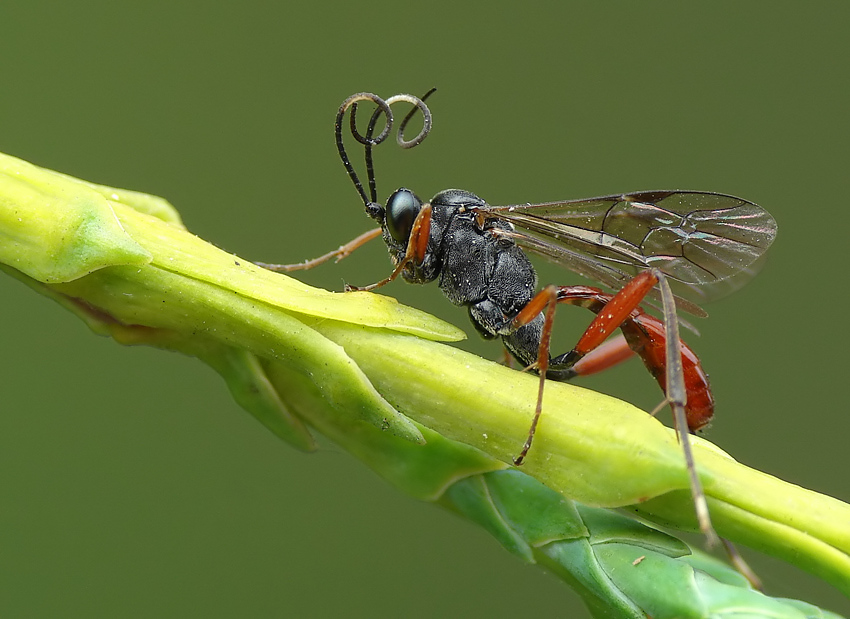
402,208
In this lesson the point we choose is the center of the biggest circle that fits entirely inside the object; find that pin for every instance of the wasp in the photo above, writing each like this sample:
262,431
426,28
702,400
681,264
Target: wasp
681,248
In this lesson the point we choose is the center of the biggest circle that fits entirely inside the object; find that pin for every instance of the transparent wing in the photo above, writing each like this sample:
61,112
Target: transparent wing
695,238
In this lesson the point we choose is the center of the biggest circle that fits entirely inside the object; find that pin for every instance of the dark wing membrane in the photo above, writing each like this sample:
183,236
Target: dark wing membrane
606,274
695,238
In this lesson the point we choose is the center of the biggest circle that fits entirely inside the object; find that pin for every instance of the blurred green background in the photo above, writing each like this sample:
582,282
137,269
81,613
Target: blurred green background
131,485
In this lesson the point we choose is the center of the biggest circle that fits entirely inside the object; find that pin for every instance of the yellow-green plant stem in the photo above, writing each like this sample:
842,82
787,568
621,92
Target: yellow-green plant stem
377,377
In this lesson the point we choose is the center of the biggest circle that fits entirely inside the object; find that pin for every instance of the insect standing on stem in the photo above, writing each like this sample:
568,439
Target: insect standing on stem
631,243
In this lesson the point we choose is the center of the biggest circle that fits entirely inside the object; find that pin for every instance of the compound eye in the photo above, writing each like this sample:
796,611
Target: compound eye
402,208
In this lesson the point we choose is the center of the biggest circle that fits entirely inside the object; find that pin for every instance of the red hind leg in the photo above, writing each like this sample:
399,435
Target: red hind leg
645,336
672,363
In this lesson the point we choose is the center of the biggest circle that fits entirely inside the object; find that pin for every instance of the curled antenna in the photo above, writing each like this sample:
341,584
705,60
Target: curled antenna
369,140
426,115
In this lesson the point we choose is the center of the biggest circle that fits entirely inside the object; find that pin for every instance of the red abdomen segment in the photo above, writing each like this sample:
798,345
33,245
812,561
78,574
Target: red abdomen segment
644,335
